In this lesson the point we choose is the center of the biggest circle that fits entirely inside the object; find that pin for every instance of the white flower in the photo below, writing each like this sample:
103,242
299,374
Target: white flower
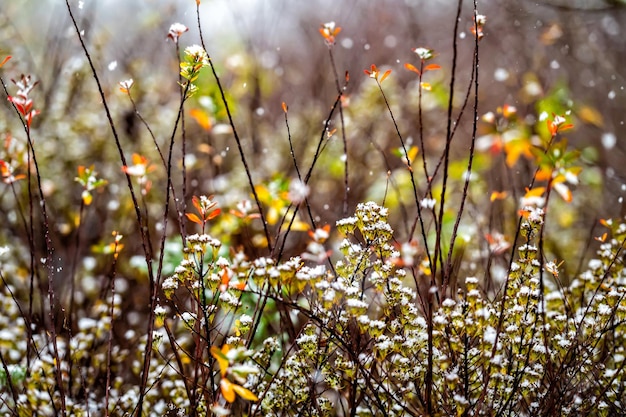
197,54
428,203
127,84
298,191
423,53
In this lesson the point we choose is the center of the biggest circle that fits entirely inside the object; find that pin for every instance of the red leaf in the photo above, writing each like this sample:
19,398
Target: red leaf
214,214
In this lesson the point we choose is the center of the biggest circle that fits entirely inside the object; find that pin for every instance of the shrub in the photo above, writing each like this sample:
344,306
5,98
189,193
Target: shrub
441,294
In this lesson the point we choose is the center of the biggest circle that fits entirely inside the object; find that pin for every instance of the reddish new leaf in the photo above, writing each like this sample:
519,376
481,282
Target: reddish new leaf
411,67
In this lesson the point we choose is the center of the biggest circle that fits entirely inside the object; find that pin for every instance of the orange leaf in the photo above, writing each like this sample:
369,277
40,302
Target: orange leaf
601,238
431,67
4,61
139,160
411,67
544,174
202,118
284,107
227,389
516,148
385,75
239,285
565,127
498,195
193,218
552,128
225,277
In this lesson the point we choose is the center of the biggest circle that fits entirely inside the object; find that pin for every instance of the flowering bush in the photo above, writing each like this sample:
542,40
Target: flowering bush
218,288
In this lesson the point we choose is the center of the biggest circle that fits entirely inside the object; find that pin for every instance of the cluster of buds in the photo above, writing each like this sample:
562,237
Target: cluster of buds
329,31
23,104
479,24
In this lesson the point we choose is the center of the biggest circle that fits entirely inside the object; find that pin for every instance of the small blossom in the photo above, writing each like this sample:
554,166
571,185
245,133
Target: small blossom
428,203
176,30
126,85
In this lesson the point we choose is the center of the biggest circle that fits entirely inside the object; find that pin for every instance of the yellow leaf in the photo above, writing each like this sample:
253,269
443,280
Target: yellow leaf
263,193
412,153
426,86
87,197
220,356
535,192
245,393
516,148
591,116
298,226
